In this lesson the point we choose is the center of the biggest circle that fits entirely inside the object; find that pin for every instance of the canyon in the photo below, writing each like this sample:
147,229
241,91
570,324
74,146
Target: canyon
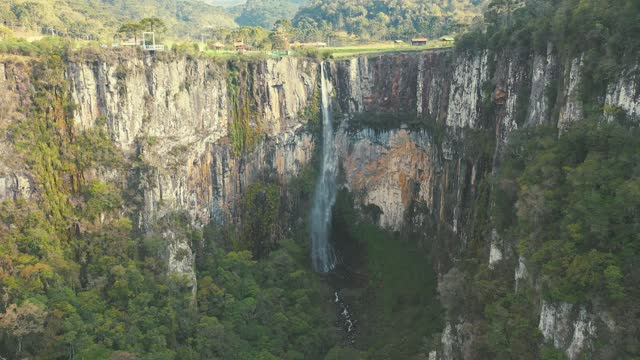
417,138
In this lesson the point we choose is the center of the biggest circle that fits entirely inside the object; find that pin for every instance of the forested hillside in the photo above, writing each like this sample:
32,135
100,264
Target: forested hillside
314,20
266,12
388,19
101,18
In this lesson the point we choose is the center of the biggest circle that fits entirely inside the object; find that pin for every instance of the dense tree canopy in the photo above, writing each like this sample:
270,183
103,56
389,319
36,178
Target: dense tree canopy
578,206
266,12
101,19
569,205
387,19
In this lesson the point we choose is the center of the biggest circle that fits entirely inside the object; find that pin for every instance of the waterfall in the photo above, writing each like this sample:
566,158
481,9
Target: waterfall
322,254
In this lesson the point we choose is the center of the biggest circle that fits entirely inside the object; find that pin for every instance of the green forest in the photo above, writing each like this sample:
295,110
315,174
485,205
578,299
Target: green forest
98,19
265,13
387,19
193,19
570,204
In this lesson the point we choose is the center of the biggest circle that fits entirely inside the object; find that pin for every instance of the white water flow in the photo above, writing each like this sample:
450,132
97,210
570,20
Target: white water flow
322,254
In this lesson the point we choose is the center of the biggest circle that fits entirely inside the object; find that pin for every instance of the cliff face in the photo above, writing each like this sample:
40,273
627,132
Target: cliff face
178,116
448,119
397,164
173,120
178,113
418,135
15,180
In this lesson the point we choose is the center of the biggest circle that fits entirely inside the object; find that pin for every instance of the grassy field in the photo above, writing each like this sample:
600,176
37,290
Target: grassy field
333,52
347,51
229,54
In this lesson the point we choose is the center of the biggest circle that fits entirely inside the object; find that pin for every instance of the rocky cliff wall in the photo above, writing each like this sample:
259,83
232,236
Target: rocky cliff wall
447,119
178,114
183,125
15,179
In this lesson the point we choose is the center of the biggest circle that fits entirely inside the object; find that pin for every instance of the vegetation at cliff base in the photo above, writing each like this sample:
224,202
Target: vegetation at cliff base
398,311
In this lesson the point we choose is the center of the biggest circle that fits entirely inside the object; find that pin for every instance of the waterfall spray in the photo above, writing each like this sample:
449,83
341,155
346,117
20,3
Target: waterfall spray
322,254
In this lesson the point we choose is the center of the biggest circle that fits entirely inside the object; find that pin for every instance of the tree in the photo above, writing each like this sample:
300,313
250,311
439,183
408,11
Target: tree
26,12
503,10
122,355
131,30
23,320
211,339
5,32
153,24
283,27
261,206
279,37
343,353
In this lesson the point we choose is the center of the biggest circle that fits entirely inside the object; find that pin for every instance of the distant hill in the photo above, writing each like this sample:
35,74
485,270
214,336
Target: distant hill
266,12
377,19
102,18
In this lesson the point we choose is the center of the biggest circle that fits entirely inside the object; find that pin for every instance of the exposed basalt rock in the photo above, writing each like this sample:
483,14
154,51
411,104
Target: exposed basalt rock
495,249
624,94
433,86
569,329
177,114
543,72
15,180
376,84
443,91
457,339
521,273
15,186
389,170
572,110
514,81
395,168
465,92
